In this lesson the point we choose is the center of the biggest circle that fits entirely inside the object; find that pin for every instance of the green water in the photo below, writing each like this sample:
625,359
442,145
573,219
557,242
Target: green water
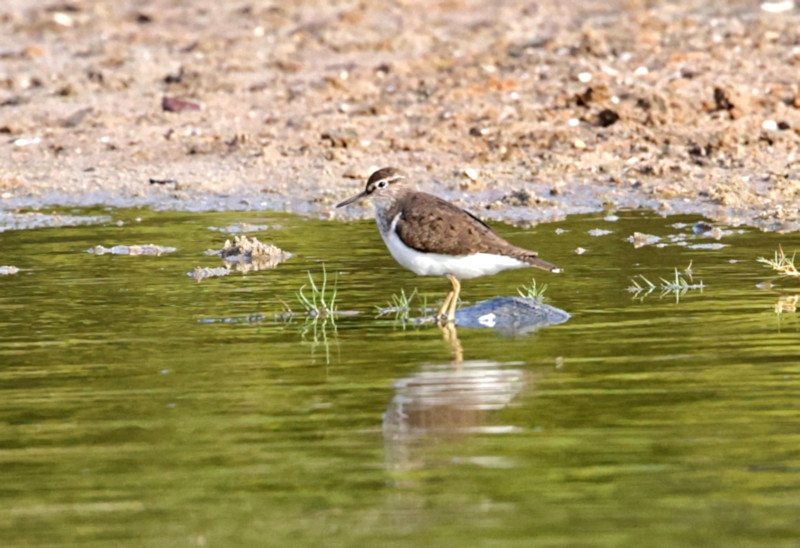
140,408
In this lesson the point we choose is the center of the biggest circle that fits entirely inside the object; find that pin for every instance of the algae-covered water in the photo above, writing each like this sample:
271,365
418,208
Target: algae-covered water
141,408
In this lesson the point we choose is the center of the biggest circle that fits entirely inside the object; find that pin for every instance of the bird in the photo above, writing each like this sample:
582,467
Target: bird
432,237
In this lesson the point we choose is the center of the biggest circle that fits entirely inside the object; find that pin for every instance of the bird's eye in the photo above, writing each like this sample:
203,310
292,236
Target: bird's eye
382,184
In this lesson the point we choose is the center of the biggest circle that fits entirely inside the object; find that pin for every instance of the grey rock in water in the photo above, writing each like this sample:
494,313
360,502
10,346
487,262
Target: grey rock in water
514,315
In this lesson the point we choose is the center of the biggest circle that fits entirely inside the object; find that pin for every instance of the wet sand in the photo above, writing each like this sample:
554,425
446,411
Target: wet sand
520,111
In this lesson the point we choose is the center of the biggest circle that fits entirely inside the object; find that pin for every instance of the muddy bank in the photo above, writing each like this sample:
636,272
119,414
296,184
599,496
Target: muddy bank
520,111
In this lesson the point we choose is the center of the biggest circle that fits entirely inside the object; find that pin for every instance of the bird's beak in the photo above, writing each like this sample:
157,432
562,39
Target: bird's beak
354,199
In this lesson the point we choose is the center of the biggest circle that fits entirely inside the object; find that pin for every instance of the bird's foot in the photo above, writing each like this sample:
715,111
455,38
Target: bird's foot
445,319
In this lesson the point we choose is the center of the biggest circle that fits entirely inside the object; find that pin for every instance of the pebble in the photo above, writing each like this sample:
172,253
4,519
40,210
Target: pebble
702,227
777,7
178,104
707,246
640,239
341,138
769,125
23,142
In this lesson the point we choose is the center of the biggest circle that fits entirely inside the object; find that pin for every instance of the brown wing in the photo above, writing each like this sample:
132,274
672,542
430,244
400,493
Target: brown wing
433,225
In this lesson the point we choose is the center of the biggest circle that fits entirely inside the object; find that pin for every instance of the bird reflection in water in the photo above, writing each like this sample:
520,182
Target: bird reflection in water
443,402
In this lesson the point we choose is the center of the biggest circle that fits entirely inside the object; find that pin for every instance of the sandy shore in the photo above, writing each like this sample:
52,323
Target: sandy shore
521,111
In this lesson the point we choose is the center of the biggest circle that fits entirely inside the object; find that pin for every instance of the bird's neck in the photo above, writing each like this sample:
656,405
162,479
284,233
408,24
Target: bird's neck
387,208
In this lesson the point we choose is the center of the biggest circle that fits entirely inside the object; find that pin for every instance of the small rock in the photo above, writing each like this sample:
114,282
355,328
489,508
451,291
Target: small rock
341,138
8,270
239,228
250,254
579,251
163,182
597,232
23,142
640,239
769,125
33,52
357,173
607,117
199,274
148,249
519,198
178,104
62,19
707,246
734,100
777,7
701,227
77,117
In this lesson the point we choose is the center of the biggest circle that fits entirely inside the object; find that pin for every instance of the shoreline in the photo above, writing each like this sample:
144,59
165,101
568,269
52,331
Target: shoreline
522,113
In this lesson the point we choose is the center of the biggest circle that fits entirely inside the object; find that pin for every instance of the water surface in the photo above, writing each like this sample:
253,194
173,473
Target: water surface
140,408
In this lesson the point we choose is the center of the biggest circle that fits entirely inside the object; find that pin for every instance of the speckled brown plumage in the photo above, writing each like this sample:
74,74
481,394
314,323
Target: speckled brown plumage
432,225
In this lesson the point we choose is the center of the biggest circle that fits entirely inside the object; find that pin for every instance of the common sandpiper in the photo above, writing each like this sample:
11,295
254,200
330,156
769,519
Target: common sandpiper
432,237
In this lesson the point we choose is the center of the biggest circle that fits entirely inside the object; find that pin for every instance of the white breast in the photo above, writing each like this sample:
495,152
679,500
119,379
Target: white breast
436,264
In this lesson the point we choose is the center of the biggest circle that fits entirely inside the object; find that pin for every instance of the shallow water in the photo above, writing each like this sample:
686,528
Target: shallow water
141,408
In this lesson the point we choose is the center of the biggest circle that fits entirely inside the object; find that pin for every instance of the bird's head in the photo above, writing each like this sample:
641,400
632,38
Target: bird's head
383,185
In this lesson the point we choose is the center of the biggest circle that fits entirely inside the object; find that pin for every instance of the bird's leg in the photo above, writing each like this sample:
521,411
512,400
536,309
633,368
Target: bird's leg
451,337
451,312
440,317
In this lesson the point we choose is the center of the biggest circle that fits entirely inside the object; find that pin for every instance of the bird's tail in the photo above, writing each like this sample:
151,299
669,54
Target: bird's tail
533,260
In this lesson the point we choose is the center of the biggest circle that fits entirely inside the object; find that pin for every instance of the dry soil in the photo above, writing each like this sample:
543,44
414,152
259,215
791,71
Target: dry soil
522,111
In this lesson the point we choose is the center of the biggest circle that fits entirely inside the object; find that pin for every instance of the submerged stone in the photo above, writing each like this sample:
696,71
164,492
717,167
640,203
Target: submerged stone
147,249
200,273
640,239
249,254
515,315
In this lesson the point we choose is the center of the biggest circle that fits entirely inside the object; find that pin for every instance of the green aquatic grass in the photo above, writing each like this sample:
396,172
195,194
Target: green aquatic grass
678,286
319,303
781,264
399,305
636,287
532,291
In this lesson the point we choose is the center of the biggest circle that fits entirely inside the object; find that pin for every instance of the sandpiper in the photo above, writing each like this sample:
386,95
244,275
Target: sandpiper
432,237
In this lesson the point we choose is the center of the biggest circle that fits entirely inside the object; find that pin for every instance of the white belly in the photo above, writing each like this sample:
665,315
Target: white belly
435,264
